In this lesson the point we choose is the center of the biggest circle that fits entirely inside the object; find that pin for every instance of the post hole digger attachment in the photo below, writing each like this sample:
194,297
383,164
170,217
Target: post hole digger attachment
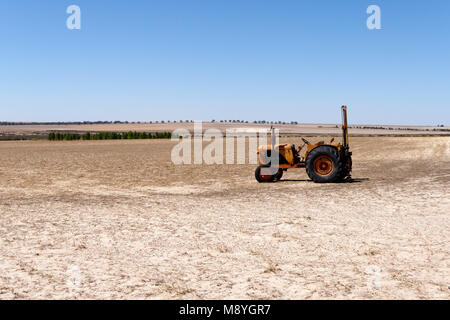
324,162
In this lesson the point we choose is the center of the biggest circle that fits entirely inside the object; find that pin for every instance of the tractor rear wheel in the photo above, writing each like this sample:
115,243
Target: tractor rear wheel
265,174
324,164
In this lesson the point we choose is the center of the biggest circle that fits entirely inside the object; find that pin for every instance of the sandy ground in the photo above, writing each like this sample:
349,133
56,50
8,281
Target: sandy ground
116,219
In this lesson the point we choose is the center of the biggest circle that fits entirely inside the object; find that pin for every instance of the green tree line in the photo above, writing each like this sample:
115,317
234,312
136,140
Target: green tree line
108,135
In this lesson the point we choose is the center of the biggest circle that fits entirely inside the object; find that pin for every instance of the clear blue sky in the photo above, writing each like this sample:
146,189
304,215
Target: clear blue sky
234,59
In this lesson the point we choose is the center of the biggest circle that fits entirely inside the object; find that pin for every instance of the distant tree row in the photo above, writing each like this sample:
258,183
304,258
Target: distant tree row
398,128
7,123
256,121
108,135
11,123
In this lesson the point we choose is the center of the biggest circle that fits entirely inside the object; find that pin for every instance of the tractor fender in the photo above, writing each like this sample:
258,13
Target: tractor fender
311,147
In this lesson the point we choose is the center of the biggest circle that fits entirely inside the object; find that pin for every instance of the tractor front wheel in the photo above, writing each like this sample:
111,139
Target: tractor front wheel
266,174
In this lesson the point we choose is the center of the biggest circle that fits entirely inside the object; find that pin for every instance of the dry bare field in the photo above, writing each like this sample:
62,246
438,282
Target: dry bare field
137,226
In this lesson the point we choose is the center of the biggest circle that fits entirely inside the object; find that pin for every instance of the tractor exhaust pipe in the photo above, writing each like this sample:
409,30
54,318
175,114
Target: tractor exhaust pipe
272,137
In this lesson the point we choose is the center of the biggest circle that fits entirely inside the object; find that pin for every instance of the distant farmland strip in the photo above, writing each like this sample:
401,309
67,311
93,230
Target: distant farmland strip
58,136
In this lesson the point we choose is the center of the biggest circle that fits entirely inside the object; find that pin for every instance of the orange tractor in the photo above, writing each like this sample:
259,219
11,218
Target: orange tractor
324,162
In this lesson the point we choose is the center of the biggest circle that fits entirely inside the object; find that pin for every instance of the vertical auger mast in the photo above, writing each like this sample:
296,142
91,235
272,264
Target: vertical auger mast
344,127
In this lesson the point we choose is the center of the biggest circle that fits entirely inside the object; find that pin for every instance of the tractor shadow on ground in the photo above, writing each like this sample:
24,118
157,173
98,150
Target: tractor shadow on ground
351,180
